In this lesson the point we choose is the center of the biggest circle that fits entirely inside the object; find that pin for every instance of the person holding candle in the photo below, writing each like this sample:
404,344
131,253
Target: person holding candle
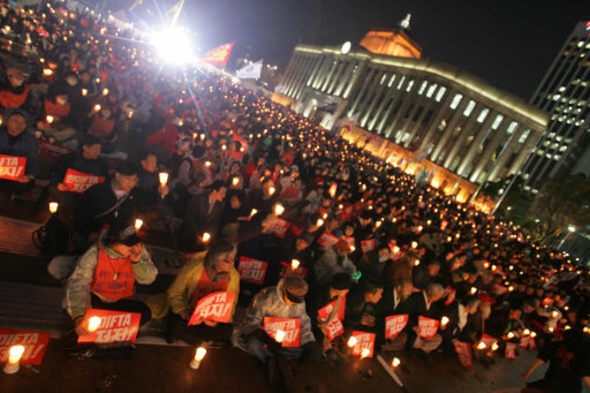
424,303
208,271
105,276
203,214
285,300
17,141
457,326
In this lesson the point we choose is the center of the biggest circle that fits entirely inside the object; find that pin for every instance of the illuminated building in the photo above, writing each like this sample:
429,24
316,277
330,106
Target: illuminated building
454,119
564,93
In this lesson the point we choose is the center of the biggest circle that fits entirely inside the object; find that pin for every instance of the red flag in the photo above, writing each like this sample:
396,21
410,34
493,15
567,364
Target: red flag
216,306
367,245
35,344
252,270
219,55
428,327
464,354
290,326
115,326
394,324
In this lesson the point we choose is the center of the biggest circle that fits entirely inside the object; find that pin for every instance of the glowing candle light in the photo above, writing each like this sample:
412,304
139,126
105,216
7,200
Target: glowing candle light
473,290
271,190
510,335
49,119
97,107
526,332
199,356
53,206
278,209
208,164
253,212
93,323
395,362
163,178
47,71
414,245
495,346
84,92
481,346
280,336
206,237
235,181
417,262
105,92
365,353
319,222
138,224
444,321
15,353
295,264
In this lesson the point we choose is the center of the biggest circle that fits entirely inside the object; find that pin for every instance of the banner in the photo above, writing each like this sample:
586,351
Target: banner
252,270
219,55
367,245
290,326
35,344
12,167
216,306
327,239
464,354
115,326
79,181
277,227
364,340
250,71
288,270
394,324
334,327
427,326
510,351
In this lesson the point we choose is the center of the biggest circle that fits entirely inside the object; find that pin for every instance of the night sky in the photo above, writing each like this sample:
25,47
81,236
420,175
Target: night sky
507,43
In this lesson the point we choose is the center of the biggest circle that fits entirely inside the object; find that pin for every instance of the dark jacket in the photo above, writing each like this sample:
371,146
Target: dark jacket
198,220
77,162
24,145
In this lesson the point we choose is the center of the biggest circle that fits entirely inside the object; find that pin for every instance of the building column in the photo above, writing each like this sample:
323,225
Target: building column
507,151
450,129
465,132
296,76
288,76
345,78
442,112
361,90
426,104
487,124
527,147
378,91
492,145
307,69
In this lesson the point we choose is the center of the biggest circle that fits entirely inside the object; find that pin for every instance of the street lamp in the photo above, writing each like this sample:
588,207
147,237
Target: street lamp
570,229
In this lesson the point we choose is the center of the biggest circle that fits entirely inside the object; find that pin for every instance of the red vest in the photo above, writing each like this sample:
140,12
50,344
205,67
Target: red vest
113,277
10,100
54,109
205,286
101,126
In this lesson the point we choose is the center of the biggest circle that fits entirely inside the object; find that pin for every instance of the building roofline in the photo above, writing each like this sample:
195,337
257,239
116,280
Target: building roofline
448,72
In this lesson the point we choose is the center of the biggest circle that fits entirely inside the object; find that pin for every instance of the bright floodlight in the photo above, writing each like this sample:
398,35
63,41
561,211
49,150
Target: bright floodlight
173,45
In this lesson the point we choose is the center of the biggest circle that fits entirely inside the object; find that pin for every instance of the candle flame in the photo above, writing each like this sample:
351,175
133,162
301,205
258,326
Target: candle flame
53,206
395,362
163,178
352,341
93,323
138,224
15,353
280,336
200,354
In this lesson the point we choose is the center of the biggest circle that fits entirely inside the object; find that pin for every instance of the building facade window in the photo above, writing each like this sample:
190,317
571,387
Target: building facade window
469,108
456,100
482,115
497,122
440,94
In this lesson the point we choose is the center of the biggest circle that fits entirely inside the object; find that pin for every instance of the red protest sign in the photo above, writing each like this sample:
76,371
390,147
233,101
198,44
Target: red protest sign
488,340
35,344
510,351
12,167
367,245
79,182
364,341
290,326
464,354
216,306
394,324
114,326
334,328
327,239
427,327
277,227
351,241
252,270
288,270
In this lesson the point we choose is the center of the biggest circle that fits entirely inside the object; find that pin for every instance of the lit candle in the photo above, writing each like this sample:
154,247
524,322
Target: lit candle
53,206
444,321
271,190
235,181
163,178
202,137
223,147
105,92
319,222
208,164
279,209
481,346
97,107
526,332
280,336
138,224
396,250
206,237
295,264
533,334
473,290
253,212
365,353
510,335
47,71
199,355
395,362
93,323
495,346
417,262
15,353
352,341
84,92
414,245
49,119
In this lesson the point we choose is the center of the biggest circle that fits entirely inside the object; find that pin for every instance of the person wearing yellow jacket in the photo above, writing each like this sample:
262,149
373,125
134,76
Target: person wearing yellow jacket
209,271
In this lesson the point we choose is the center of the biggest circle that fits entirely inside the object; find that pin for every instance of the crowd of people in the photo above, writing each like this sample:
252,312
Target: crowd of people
346,240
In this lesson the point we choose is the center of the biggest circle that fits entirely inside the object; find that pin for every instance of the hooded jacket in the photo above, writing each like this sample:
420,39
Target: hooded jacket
24,145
